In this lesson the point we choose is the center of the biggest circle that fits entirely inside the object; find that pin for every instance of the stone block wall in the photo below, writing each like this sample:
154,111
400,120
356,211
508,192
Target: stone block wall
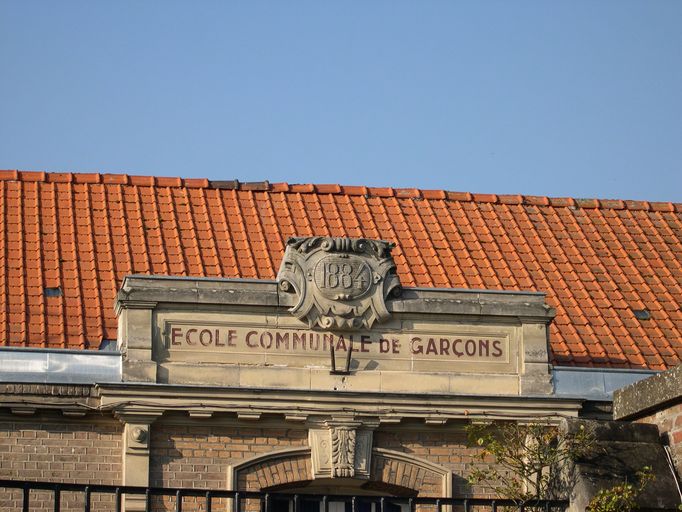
656,400
669,423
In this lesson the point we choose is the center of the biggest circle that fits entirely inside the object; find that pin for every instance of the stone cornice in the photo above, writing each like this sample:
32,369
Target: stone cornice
150,291
363,407
25,399
52,390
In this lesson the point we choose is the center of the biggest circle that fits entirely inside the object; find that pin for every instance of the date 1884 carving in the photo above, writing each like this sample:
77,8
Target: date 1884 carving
340,283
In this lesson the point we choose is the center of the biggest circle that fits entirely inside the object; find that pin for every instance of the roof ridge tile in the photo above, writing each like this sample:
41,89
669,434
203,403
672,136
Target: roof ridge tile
484,198
328,188
117,179
32,176
380,191
459,196
142,181
352,190
406,193
434,194
510,199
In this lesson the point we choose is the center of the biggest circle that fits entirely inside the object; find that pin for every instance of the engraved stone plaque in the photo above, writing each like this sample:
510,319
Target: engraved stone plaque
340,283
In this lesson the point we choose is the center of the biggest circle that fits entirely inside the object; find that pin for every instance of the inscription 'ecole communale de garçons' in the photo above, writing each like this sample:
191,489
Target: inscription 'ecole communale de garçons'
280,341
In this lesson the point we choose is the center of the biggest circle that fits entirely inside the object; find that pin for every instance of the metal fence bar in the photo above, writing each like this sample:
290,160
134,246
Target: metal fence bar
357,503
117,500
86,506
57,505
25,498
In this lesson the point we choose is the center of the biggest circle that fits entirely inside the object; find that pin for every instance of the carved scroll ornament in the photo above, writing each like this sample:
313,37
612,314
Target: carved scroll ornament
340,283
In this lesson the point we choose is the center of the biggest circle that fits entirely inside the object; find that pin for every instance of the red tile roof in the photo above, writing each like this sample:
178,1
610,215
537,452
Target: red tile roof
597,260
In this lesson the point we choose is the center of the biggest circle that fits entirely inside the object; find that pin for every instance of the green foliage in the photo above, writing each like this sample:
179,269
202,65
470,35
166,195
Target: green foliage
621,497
527,458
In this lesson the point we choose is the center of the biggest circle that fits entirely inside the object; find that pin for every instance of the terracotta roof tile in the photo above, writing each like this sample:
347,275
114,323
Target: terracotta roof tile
597,260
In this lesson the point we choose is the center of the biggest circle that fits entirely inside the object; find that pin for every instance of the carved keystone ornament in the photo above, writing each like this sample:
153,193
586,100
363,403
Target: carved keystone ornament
341,451
340,283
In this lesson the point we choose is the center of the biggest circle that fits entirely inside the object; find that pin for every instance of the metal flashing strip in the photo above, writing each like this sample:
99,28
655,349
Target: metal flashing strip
59,366
594,383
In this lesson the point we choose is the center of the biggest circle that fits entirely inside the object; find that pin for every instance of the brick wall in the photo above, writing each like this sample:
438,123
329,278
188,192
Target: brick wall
446,448
197,456
73,452
669,423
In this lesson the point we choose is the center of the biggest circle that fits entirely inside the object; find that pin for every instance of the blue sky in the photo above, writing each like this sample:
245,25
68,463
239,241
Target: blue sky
560,98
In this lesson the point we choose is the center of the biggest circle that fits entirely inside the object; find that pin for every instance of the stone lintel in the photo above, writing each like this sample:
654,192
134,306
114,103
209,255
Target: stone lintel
640,398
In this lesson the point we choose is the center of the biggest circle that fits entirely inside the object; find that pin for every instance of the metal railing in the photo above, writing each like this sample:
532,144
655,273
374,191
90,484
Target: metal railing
267,500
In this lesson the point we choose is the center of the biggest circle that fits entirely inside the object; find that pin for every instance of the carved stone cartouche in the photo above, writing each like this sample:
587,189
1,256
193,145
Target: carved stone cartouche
340,283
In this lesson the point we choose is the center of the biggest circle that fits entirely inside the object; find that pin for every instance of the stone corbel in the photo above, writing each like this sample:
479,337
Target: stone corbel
342,450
